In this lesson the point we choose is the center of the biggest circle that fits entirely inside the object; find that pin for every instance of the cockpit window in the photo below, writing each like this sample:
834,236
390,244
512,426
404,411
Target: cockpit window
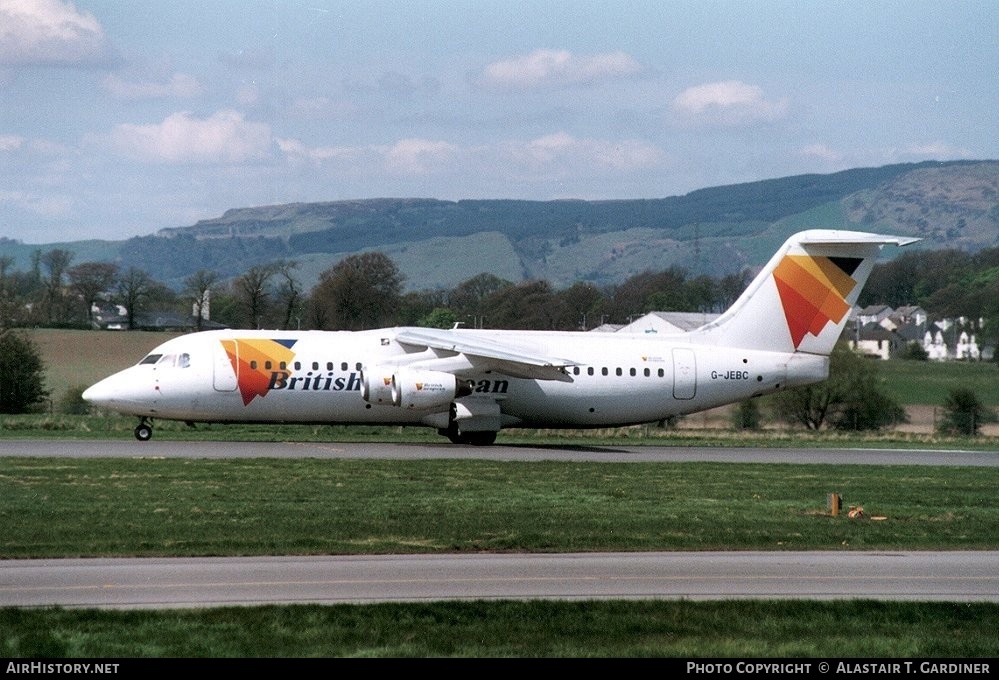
169,360
150,359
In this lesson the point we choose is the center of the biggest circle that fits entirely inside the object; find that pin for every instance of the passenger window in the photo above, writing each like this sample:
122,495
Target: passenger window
618,371
253,364
315,365
283,365
267,365
661,373
603,371
343,366
298,365
589,370
633,373
329,365
575,370
357,366
647,373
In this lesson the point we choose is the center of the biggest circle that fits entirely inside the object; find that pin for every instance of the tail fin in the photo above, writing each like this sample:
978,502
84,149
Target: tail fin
801,300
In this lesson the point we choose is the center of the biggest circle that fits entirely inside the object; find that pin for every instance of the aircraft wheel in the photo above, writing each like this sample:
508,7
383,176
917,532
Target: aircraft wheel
143,432
482,438
477,438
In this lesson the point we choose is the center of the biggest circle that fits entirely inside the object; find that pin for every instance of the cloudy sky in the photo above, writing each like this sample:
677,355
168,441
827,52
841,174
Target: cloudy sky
121,117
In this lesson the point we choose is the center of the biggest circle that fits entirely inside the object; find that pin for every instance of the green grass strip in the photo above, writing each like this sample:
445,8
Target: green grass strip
185,507
749,629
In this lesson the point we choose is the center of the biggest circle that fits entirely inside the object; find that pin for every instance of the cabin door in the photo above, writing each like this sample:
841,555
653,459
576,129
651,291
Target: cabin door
226,365
684,374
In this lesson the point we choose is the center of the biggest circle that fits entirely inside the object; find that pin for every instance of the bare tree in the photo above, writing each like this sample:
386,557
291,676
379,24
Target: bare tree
55,263
6,293
289,292
198,288
134,288
254,292
89,280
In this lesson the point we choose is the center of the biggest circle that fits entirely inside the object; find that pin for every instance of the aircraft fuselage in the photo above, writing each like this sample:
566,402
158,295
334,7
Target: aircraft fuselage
316,377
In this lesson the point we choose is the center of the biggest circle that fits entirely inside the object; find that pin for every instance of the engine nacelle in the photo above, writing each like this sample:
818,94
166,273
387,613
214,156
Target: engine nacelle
420,389
376,384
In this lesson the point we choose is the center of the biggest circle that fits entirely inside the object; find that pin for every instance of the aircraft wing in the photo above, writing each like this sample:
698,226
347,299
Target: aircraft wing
501,356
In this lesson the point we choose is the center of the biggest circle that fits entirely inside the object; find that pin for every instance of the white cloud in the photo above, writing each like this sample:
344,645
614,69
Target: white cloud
419,156
821,151
10,142
937,150
559,153
223,138
729,102
180,86
295,150
563,150
44,206
547,68
50,32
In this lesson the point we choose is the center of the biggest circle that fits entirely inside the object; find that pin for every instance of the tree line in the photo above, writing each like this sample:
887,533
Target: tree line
366,291
361,291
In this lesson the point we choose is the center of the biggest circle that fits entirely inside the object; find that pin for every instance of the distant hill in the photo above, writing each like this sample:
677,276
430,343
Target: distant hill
438,244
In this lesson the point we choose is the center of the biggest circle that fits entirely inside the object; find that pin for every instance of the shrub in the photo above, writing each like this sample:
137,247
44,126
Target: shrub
72,402
22,376
746,416
914,351
964,413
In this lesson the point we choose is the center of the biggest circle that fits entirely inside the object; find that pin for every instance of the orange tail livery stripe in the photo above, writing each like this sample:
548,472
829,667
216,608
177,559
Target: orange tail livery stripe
813,291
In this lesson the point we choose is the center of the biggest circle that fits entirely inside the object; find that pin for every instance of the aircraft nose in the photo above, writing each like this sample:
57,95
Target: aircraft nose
99,394
128,392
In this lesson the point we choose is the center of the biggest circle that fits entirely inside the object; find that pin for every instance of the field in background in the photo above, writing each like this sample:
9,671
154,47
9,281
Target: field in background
79,358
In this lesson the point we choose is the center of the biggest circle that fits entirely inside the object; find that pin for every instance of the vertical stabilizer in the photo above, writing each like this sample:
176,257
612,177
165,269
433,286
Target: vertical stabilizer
802,299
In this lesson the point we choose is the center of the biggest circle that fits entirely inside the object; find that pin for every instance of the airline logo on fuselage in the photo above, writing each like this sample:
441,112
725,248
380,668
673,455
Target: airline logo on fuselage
254,360
264,364
813,291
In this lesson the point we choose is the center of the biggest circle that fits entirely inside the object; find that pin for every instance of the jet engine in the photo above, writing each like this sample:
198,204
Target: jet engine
413,388
376,384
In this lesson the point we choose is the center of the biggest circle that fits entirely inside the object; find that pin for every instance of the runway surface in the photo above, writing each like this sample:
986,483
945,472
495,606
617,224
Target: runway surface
188,582
198,582
130,448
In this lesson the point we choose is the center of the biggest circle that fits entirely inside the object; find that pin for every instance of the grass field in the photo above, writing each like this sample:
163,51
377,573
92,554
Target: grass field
191,507
144,506
141,506
751,630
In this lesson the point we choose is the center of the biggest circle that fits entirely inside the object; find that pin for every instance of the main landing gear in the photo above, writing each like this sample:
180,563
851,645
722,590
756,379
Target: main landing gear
144,430
476,438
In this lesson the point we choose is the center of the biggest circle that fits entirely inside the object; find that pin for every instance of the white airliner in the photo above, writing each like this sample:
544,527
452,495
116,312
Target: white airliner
470,383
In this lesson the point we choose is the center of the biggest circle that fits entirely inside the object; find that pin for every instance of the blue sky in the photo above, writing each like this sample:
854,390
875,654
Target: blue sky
121,117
